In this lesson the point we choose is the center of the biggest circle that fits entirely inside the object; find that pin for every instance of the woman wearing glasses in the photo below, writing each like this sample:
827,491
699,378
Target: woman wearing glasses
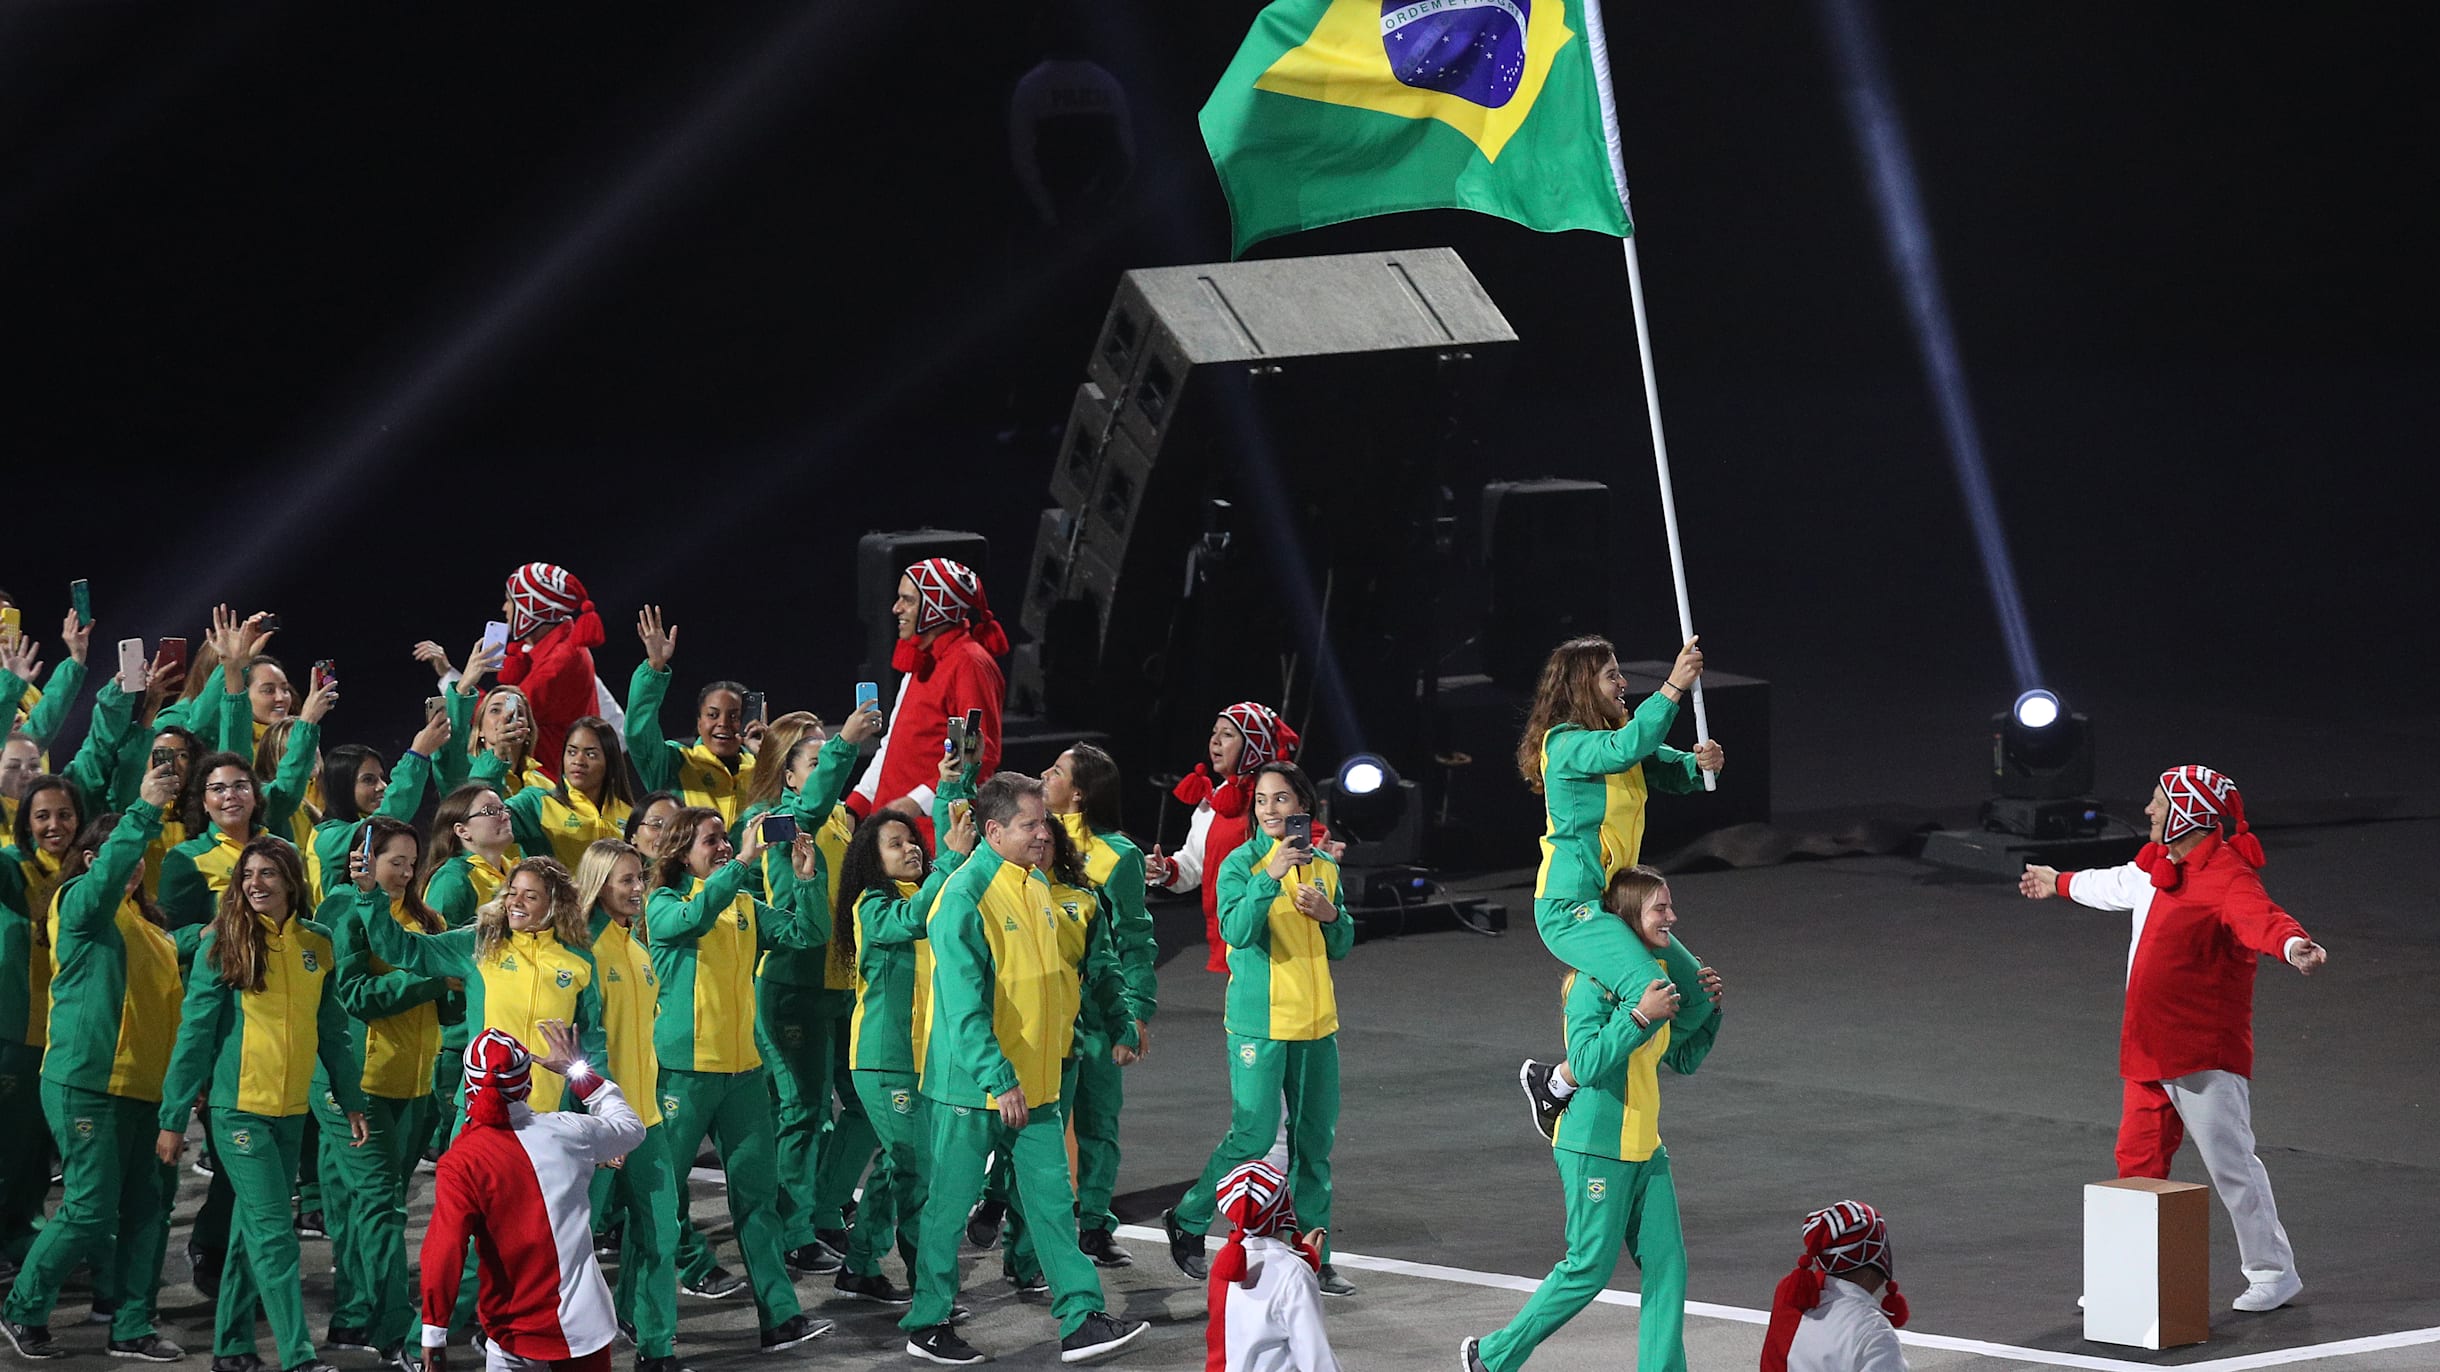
225,805
467,858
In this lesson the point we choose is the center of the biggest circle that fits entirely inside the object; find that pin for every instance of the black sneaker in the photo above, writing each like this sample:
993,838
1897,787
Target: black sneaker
204,1167
204,1269
310,1226
812,1260
1102,1247
150,1348
31,1340
718,1284
668,1364
1535,1077
626,1331
243,1362
873,1288
1335,1285
1470,1355
406,1357
605,1246
983,1226
352,1339
1186,1250
941,1344
1027,1286
833,1239
790,1332
1099,1335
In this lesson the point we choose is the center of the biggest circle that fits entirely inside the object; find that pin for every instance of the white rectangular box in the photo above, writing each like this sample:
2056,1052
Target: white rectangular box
2147,1262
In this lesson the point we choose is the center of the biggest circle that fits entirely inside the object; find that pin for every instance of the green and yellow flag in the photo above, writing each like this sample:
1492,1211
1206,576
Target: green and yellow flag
1338,109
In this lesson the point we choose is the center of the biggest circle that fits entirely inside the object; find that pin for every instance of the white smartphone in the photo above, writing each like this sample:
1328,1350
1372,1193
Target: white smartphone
495,637
132,663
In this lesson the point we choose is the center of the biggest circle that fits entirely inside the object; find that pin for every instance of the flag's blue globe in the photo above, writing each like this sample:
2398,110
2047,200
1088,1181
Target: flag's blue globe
1472,49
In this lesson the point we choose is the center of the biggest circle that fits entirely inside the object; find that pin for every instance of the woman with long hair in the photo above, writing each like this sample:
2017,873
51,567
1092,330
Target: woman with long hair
31,870
1244,737
590,800
395,1034
113,1013
259,1013
1285,919
642,1193
1082,789
887,884
715,770
467,858
1594,762
648,823
501,745
225,804
358,789
706,929
1613,1171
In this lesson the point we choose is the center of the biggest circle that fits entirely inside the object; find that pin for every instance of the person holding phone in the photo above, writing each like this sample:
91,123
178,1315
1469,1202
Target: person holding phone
502,745
1284,916
887,886
395,1033
948,647
552,632
1594,761
640,1196
259,1012
38,714
360,789
590,801
715,771
706,930
1244,737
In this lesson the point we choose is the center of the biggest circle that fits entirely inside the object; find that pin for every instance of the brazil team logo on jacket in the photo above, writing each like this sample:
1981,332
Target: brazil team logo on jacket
902,1101
1245,1054
669,1105
311,963
84,1127
566,978
242,1140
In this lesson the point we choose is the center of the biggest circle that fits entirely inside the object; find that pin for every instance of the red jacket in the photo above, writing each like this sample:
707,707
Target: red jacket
960,677
2190,975
556,674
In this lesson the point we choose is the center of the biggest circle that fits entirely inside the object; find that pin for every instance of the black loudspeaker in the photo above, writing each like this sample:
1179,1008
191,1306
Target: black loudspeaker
1318,398
1545,573
882,558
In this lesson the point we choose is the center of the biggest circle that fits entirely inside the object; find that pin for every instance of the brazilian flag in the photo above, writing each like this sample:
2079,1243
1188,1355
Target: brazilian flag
1338,109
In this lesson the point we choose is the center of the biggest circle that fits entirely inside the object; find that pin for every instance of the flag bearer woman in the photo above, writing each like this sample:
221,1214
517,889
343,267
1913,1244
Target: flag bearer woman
1594,763
1285,920
1613,1171
398,1018
259,1013
114,1011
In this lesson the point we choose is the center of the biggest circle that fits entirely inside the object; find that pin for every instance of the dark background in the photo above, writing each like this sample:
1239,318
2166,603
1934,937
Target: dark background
345,313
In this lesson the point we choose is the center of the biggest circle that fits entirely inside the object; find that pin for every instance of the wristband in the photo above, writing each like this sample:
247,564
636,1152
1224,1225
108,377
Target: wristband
1642,1021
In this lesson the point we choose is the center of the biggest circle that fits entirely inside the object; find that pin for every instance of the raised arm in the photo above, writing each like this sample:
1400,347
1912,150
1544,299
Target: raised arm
105,737
58,695
1585,753
91,902
286,792
449,953
363,992
672,918
1600,1031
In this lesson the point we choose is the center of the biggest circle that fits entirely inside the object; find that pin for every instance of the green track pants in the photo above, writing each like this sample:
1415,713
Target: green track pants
1094,1099
348,1174
734,1110
1017,1241
259,1157
794,1035
1608,1203
643,1201
377,1178
963,1139
112,1198
1600,945
850,1144
25,1148
893,1204
1260,1073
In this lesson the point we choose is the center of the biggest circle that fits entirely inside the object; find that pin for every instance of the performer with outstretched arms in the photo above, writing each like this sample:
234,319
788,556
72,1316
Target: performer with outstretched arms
2186,1038
1594,762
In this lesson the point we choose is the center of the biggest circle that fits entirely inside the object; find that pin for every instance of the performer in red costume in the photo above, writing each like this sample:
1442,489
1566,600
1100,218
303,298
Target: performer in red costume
519,1185
1244,737
1265,1296
948,646
2186,1041
552,632
1840,1310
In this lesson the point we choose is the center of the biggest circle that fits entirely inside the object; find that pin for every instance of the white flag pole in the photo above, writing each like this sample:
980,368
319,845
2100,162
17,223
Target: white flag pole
1598,46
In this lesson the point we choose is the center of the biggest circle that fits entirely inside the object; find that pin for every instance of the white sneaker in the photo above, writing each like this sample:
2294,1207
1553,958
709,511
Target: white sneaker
2268,1295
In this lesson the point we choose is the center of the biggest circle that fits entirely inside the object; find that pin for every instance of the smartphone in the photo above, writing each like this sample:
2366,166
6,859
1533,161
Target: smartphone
163,755
270,623
971,746
325,672
80,595
11,622
367,845
777,829
495,636
756,704
433,705
131,665
868,696
954,743
1300,831
172,654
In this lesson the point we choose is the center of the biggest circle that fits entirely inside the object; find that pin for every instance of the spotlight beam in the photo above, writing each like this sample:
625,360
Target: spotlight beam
1897,197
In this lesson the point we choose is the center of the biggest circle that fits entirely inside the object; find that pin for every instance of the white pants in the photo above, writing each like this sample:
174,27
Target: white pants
2217,1110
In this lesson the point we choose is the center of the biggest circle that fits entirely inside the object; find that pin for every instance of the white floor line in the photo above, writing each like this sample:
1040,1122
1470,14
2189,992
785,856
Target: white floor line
2087,1362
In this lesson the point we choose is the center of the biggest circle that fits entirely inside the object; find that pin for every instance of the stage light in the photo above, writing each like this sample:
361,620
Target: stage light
1363,774
2037,709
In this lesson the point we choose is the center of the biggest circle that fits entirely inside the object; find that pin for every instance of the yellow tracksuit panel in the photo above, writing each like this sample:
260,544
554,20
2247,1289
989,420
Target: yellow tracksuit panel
631,999
399,1049
530,978
279,1023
